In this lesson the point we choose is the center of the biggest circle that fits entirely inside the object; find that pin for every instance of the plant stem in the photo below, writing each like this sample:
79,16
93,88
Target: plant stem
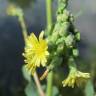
49,84
23,26
49,24
49,13
41,93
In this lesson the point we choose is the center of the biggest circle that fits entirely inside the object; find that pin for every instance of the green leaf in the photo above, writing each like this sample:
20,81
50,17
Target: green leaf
55,91
89,90
31,90
25,74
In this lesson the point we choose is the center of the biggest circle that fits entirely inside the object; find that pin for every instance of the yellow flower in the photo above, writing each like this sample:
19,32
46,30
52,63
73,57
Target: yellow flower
75,77
36,52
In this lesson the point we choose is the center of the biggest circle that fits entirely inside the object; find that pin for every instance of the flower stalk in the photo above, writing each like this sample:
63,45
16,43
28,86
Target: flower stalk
16,11
49,24
49,14
23,26
49,83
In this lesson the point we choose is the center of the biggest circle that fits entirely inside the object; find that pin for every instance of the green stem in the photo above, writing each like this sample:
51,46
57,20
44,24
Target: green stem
23,26
39,87
49,24
49,84
49,13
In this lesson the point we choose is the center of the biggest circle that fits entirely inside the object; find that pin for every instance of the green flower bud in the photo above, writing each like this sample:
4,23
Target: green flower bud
75,52
63,29
77,36
60,48
62,17
55,34
69,40
60,40
57,27
71,18
14,11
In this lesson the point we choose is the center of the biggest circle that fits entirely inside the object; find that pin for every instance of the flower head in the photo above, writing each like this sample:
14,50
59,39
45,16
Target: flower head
35,52
14,10
75,77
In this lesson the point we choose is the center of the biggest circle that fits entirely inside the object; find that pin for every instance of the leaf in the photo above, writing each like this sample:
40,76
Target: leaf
89,90
55,91
25,74
31,90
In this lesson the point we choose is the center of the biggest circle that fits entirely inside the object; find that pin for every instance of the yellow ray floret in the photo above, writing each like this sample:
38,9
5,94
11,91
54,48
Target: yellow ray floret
76,77
36,52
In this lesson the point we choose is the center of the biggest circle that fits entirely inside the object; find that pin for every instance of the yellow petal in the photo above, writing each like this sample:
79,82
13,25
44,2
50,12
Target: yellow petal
43,44
38,62
46,53
43,63
33,39
41,35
